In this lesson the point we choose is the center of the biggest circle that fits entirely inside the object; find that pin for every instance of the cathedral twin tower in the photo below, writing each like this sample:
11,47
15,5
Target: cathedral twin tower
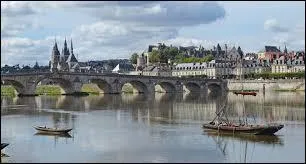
64,62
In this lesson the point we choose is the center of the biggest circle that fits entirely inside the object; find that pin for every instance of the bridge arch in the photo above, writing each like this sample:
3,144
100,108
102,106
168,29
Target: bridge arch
138,85
19,87
214,88
103,85
192,87
65,84
167,87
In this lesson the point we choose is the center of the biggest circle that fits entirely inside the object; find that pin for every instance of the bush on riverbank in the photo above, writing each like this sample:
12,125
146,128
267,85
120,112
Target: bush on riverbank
48,90
7,90
268,75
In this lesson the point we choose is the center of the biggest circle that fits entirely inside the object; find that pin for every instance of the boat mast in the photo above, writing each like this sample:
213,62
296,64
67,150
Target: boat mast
245,153
241,75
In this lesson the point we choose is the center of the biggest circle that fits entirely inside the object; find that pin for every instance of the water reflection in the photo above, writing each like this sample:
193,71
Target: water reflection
261,139
235,147
119,128
63,135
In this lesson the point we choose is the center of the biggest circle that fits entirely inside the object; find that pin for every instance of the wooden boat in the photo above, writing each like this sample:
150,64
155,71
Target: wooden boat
51,130
245,93
3,145
249,129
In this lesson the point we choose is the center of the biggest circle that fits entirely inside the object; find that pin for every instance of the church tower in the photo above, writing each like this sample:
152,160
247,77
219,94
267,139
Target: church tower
72,61
55,58
66,51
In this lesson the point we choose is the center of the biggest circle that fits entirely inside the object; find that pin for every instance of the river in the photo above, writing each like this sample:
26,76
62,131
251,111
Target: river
160,128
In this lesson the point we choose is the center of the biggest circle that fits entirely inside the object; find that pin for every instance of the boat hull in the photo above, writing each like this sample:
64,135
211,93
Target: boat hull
246,93
3,145
52,131
255,130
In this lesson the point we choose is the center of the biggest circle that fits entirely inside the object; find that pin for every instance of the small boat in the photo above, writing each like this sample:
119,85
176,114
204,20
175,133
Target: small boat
245,93
249,129
51,130
3,145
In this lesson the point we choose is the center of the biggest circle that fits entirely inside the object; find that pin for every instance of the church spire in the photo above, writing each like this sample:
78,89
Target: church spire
71,47
55,44
65,44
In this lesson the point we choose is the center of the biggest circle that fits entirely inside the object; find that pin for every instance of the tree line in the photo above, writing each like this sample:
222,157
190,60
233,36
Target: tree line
163,54
24,68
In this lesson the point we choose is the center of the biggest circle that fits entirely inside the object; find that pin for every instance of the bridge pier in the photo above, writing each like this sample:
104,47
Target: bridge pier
179,88
204,89
28,90
115,88
75,89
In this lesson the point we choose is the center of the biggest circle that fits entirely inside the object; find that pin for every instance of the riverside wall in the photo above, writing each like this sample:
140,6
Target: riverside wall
270,85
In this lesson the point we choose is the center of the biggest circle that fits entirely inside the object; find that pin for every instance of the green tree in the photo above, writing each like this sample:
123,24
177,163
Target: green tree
154,56
173,52
208,58
134,58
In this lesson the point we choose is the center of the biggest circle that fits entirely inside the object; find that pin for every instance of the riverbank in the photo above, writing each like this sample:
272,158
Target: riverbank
290,85
92,89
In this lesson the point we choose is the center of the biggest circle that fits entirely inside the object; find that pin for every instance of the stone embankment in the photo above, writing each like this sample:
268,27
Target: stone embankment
269,85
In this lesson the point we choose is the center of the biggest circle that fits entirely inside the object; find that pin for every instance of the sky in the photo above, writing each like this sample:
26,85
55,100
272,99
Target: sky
102,30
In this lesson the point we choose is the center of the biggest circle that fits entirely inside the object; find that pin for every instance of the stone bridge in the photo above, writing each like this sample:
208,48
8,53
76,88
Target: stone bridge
71,83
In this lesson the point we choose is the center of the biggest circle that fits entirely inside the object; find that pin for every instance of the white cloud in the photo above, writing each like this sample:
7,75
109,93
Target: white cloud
294,38
164,13
25,51
12,9
207,44
274,26
125,27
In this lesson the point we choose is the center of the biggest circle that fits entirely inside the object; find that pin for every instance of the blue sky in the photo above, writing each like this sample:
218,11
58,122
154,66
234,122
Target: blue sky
109,29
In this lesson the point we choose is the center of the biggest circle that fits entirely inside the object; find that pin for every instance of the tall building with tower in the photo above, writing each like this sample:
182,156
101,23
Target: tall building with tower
64,62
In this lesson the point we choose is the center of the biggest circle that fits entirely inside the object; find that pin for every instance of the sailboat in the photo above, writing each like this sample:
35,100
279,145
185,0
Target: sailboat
224,125
242,92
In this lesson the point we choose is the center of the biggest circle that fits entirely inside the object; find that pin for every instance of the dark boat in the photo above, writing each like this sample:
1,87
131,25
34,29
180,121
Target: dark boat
51,130
224,125
249,129
245,93
3,145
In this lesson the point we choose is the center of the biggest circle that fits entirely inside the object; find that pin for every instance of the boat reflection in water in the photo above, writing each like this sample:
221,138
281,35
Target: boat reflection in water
63,135
264,139
235,146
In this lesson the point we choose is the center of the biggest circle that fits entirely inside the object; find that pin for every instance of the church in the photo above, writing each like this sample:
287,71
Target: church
65,61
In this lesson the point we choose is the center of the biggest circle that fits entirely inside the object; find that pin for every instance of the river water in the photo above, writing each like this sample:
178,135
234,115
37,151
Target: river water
160,128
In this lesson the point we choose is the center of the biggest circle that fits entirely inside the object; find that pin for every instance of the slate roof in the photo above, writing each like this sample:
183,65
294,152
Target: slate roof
271,49
72,58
